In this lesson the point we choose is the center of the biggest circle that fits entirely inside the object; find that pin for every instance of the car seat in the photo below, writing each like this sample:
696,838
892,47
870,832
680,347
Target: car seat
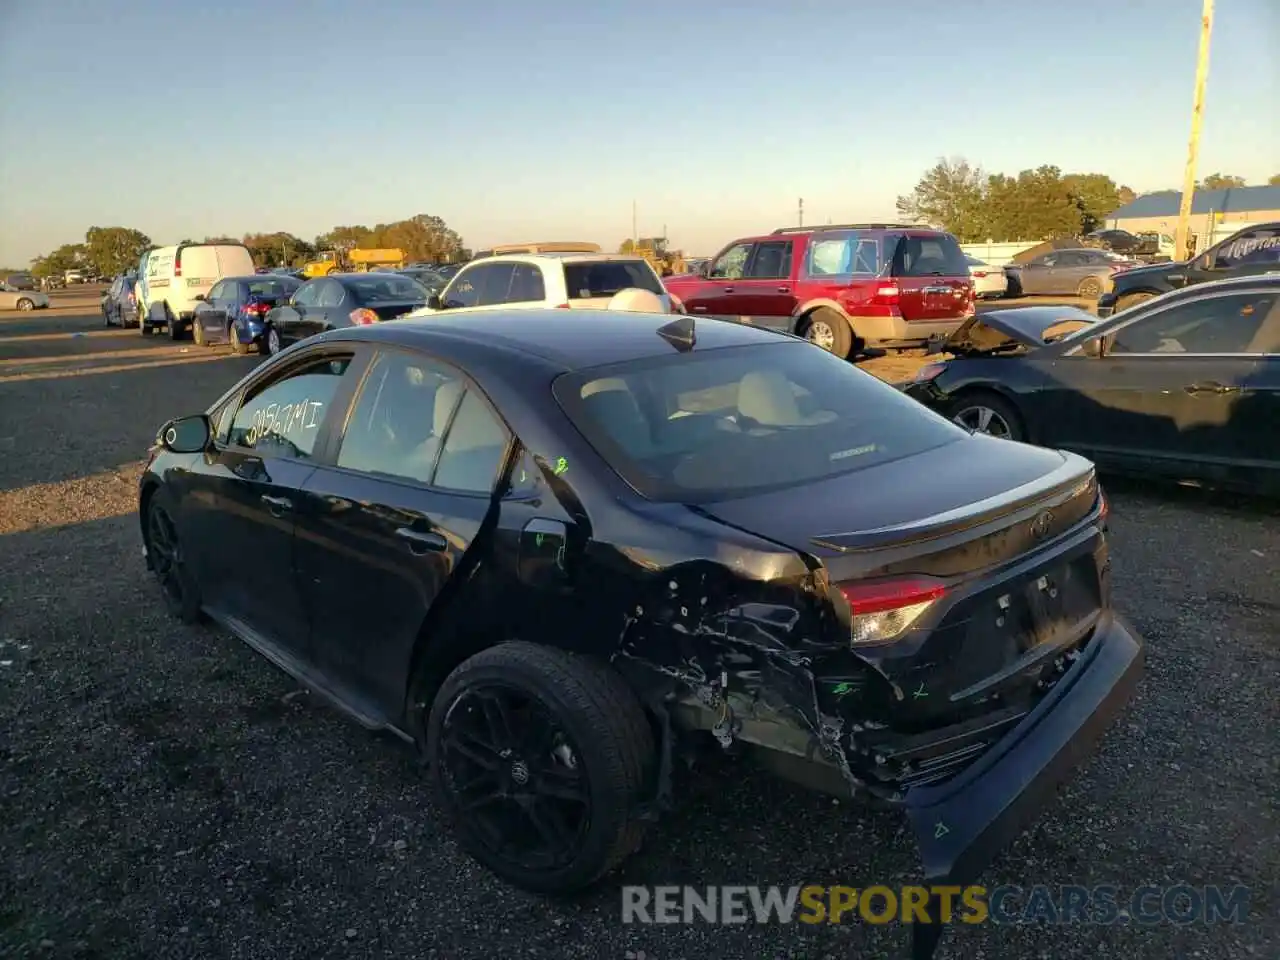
613,407
768,398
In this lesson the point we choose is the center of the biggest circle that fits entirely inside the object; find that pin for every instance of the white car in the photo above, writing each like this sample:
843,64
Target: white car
988,281
567,281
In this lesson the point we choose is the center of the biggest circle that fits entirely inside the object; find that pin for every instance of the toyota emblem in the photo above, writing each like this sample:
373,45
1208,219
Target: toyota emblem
1041,525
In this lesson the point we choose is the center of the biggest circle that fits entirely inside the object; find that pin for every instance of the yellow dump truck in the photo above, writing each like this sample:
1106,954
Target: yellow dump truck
664,262
353,261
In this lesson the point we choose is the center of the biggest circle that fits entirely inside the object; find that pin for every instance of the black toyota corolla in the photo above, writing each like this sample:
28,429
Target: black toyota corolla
553,549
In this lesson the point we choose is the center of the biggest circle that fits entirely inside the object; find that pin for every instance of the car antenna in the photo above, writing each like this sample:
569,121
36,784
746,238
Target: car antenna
680,333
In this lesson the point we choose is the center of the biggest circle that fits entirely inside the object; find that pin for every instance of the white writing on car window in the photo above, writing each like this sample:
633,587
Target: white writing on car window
283,418
1241,248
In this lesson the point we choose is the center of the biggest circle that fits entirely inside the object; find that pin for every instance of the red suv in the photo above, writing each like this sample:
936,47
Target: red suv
843,287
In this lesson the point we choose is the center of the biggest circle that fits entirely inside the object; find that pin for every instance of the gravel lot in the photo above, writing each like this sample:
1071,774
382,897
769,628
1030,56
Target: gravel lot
164,792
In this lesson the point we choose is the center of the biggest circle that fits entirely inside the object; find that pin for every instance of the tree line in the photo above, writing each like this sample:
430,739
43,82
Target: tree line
1036,204
108,251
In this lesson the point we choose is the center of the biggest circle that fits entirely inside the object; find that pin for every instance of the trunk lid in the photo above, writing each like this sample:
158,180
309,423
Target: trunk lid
932,277
913,510
1000,330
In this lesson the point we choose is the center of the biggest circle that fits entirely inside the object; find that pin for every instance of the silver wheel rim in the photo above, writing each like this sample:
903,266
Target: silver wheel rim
25,305
982,419
273,341
821,334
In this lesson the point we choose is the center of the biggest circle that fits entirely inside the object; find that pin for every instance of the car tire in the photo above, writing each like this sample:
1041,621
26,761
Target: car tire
167,562
984,411
173,323
197,333
829,330
233,337
1132,299
25,303
1090,288
270,343
590,758
106,318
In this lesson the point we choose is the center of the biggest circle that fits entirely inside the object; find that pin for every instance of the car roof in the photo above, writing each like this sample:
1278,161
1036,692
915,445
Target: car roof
569,339
576,257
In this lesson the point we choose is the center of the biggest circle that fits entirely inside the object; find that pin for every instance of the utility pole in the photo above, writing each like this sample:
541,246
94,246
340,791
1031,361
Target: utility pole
635,232
800,212
1193,146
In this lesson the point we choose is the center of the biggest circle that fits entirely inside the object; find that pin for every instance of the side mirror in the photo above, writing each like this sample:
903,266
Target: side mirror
1093,348
187,434
434,302
704,271
201,298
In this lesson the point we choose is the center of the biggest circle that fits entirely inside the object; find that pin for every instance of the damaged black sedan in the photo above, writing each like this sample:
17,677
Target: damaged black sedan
1184,387
553,548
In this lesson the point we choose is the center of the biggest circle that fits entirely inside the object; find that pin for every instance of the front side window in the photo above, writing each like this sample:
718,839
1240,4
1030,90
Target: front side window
730,264
713,426
284,419
1252,248
604,278
398,423
219,290
1214,325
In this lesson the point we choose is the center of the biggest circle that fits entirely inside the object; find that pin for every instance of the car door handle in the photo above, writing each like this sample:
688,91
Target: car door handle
728,289
422,541
784,289
277,505
1210,386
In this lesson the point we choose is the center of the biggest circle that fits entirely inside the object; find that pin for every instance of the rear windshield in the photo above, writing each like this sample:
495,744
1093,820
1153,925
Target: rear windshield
696,428
385,288
586,280
273,287
928,255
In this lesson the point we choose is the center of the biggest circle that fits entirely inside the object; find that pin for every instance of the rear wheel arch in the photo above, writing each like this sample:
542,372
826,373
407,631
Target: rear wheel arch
149,488
805,315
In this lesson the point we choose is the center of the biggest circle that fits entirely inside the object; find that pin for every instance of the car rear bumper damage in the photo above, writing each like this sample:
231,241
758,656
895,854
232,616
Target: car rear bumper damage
962,824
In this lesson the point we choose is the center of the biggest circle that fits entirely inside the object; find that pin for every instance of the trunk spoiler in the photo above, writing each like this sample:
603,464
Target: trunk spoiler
1073,478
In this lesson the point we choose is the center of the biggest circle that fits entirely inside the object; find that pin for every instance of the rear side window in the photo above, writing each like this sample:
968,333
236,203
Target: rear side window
526,284
843,254
704,427
1252,248
586,281
928,255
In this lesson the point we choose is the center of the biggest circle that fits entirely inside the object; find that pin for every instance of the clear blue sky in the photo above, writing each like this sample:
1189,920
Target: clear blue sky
517,120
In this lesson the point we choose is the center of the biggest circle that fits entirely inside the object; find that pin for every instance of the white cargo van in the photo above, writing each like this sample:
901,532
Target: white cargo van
173,277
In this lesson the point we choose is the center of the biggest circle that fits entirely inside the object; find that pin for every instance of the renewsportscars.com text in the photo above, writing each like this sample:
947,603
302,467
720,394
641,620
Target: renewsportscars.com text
1180,904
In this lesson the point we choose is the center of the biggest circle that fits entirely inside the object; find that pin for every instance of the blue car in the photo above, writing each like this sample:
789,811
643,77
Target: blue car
235,308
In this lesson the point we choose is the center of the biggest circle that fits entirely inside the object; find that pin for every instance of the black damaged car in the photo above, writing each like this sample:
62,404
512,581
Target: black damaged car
1185,387
554,550
1250,252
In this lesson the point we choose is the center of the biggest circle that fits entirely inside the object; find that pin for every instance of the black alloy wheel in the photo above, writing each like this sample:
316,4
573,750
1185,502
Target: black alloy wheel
168,563
541,759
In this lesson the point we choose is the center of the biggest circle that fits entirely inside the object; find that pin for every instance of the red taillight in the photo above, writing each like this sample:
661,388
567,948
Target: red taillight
980,273
363,316
883,610
888,293
177,263
259,309
563,306
1104,506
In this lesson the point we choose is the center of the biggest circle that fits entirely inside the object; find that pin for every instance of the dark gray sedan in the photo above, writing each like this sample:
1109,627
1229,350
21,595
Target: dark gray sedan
1080,273
341,300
